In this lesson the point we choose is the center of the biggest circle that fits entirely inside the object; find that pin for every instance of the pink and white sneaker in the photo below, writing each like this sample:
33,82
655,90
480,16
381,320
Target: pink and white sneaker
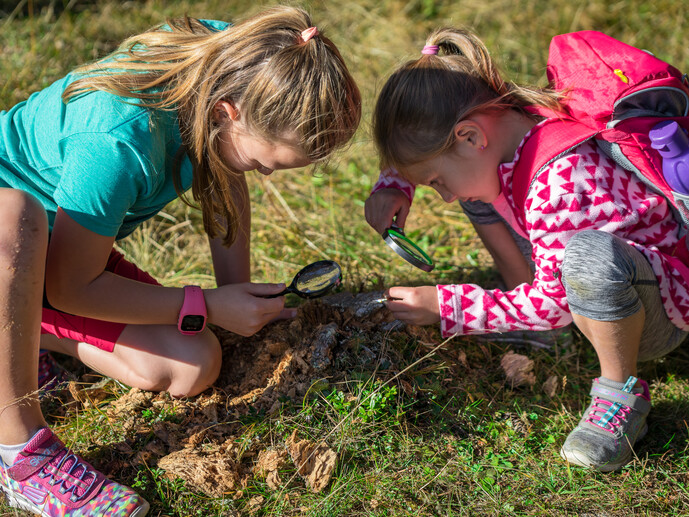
50,480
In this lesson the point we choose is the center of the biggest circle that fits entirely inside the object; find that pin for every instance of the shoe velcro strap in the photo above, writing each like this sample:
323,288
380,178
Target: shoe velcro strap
635,402
27,464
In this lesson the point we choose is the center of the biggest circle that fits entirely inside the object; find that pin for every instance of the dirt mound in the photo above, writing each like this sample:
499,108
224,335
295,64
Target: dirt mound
285,358
208,440
196,439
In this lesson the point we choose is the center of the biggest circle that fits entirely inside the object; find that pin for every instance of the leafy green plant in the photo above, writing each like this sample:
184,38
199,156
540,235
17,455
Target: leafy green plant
164,414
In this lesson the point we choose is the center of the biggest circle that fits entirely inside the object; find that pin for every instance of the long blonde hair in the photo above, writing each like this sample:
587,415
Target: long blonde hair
282,83
422,101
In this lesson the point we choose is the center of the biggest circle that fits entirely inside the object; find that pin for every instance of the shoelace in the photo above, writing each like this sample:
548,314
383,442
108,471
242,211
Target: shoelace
66,471
615,413
608,422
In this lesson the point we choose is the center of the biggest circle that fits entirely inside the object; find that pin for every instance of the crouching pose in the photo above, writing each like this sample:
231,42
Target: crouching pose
608,252
188,105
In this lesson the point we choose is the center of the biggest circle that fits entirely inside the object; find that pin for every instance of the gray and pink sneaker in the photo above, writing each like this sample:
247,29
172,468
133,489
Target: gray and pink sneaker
50,480
614,421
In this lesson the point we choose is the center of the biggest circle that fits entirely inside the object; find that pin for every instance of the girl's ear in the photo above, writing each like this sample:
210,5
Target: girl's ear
470,133
224,111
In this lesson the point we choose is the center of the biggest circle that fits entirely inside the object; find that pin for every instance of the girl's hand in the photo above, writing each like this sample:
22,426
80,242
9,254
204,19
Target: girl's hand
386,206
414,305
241,309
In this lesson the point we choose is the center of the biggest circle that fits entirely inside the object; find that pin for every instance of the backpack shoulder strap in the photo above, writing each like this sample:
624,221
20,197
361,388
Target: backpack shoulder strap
550,139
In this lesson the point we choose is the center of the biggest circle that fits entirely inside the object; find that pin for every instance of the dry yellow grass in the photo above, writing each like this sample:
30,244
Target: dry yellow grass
468,445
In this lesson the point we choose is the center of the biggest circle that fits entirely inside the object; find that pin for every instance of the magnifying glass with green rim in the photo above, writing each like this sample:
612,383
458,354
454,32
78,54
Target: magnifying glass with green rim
407,249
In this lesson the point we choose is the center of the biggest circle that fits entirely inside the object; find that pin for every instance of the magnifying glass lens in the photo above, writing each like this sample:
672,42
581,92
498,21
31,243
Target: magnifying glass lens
314,280
407,249
317,279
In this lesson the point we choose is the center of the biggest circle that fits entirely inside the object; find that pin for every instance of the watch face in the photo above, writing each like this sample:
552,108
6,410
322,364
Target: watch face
191,323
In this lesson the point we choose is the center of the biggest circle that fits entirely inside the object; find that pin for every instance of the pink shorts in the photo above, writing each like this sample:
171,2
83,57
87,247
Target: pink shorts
99,333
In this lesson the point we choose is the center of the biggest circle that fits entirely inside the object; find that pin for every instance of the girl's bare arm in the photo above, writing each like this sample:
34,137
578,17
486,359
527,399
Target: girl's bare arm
77,283
233,265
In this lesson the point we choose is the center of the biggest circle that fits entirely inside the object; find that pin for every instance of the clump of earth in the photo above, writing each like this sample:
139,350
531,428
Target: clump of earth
196,439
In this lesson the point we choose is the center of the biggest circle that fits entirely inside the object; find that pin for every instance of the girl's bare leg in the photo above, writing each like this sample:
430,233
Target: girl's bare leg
152,357
616,302
23,245
616,343
508,258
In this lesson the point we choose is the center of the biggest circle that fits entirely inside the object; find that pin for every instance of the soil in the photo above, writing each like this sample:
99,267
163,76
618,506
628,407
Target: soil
198,439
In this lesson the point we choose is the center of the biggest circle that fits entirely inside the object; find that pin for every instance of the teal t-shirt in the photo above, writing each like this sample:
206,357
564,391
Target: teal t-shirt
104,160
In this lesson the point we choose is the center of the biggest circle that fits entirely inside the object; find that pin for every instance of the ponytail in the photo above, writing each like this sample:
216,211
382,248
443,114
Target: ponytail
454,78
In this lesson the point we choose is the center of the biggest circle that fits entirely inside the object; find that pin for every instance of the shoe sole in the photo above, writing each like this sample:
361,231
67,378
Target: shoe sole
16,500
573,458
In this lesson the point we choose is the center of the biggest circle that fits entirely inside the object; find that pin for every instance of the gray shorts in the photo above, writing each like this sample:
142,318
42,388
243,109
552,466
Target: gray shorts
613,286
617,284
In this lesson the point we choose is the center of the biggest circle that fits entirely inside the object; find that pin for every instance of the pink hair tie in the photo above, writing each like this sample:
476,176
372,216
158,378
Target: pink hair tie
309,33
430,50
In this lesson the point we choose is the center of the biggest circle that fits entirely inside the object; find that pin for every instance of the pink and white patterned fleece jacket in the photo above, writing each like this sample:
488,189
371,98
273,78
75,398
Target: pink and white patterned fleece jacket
579,191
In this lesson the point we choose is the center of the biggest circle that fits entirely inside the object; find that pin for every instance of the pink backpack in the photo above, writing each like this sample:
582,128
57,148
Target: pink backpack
616,94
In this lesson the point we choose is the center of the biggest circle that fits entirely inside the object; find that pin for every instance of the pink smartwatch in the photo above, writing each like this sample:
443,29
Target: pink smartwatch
192,316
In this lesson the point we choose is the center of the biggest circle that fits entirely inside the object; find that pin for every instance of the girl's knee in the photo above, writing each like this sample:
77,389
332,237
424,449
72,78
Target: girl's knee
601,274
18,206
159,358
197,373
585,247
23,221
594,261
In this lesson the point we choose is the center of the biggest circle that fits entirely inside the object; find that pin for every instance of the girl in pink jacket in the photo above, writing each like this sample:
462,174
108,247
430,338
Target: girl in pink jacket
601,242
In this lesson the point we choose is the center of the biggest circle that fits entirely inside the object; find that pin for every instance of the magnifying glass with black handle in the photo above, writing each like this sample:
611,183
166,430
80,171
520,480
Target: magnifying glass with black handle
313,281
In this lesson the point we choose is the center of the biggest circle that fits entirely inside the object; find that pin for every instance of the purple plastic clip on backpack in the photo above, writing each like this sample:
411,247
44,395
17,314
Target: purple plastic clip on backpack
673,145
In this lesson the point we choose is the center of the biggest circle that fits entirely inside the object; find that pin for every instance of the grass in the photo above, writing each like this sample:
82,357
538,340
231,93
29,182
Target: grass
447,437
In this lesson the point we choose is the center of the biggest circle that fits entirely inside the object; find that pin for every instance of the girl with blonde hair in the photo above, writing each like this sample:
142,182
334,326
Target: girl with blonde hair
191,104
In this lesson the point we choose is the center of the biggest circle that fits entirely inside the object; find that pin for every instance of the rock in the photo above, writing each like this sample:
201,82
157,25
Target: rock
325,338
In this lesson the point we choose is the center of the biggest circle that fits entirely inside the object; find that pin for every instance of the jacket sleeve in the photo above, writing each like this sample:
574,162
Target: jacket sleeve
541,305
470,309
390,178
550,223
